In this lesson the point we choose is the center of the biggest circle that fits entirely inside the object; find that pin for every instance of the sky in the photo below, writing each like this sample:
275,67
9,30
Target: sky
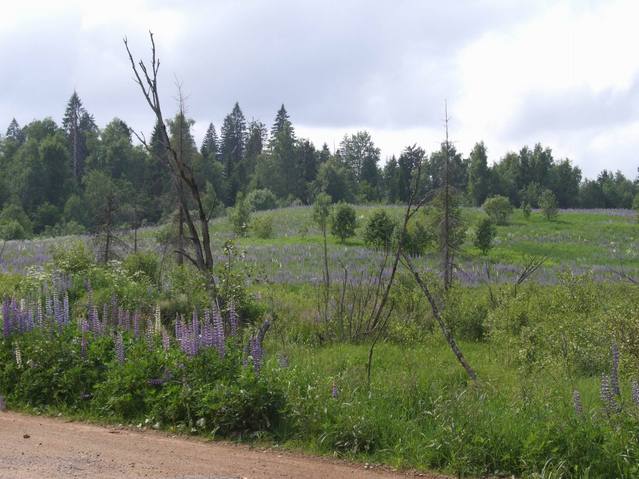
513,73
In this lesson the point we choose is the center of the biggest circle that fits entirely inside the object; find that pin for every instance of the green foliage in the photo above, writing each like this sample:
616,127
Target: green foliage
343,222
14,223
240,216
379,230
322,209
526,210
146,264
262,199
263,226
498,208
76,258
485,235
548,204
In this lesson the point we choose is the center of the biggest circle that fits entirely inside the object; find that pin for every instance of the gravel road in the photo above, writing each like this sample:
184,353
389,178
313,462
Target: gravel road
39,447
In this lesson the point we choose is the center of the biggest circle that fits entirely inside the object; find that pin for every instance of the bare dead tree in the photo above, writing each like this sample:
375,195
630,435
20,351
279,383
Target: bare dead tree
147,79
448,245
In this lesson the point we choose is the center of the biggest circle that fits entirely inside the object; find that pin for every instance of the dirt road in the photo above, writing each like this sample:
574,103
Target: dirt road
37,447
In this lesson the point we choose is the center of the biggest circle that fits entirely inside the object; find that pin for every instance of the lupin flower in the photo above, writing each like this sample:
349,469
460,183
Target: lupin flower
607,396
635,392
218,331
65,309
119,348
614,373
6,319
234,320
18,355
158,319
136,325
166,341
576,401
334,391
84,328
257,352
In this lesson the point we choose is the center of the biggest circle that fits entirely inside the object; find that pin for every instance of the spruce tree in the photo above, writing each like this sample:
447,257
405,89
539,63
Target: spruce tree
232,148
209,149
78,125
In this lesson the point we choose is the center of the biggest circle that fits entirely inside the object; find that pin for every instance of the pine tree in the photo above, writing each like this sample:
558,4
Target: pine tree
391,180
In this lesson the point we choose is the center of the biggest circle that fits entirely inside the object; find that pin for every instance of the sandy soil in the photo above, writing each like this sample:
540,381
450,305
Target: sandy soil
39,447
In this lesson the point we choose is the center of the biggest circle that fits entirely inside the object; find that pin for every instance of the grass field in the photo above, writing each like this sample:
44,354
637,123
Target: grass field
535,349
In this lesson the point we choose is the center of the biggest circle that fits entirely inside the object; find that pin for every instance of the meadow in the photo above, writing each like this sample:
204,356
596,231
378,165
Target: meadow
139,342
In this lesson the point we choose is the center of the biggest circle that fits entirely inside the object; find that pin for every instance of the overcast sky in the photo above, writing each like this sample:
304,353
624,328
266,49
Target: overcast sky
563,73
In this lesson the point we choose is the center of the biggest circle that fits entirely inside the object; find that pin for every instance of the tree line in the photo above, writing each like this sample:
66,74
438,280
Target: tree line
76,177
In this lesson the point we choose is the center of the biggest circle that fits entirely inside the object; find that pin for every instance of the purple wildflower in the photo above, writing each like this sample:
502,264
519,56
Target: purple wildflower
607,396
334,391
635,392
166,341
576,401
65,309
136,325
119,348
234,320
84,328
6,319
614,374
218,331
257,352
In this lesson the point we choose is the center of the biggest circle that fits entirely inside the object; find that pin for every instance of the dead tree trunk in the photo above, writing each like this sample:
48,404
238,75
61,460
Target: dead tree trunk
198,225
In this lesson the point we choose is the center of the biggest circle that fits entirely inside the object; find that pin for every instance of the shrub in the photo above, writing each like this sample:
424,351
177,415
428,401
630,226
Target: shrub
263,226
484,235
240,216
526,210
379,230
344,222
143,263
260,200
76,258
498,208
548,204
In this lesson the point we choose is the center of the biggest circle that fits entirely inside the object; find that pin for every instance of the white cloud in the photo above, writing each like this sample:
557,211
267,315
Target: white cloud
514,73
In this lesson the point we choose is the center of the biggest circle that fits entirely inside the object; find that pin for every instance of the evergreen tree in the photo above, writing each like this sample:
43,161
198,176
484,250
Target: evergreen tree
232,148
283,149
77,123
478,175
209,149
254,147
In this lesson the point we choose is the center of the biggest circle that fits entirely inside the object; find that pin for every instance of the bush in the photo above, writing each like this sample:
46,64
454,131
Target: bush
260,200
240,216
263,226
526,210
379,230
143,263
76,258
548,204
344,222
484,235
12,230
498,208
